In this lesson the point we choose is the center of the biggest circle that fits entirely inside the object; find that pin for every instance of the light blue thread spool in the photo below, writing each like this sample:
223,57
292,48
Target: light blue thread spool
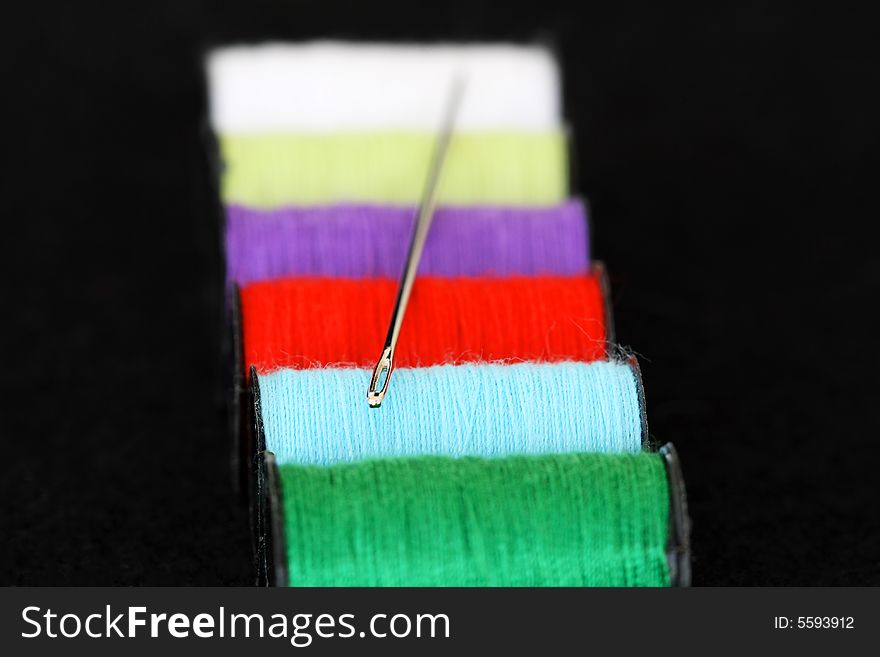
320,416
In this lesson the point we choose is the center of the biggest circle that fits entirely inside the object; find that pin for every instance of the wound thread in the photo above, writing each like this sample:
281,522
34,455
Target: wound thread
320,416
314,322
370,241
272,170
328,86
552,520
509,450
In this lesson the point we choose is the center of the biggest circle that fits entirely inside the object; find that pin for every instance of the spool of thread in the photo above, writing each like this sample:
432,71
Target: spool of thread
272,170
370,241
550,520
325,86
315,322
320,416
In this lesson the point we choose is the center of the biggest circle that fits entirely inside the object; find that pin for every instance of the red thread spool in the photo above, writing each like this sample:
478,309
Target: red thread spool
313,322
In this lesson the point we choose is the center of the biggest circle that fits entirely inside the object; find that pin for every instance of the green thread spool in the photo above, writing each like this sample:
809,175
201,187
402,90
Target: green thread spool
553,520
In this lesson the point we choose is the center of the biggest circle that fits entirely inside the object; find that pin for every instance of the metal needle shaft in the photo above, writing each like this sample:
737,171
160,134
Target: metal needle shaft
424,216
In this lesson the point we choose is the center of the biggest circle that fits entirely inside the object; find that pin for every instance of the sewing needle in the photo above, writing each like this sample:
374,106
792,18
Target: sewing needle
424,216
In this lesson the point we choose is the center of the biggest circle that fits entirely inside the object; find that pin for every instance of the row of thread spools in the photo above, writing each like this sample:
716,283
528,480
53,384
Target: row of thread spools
512,449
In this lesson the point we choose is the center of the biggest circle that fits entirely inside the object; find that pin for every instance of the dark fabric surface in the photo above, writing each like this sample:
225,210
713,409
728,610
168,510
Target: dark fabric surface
728,152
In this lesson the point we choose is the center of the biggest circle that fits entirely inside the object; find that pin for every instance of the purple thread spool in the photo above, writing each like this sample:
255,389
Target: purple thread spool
359,241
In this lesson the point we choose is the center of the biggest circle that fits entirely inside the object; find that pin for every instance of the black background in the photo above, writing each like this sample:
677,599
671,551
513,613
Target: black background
729,154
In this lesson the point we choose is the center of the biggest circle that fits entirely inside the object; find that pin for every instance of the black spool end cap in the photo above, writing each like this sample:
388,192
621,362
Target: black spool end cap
678,549
600,273
272,551
236,394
